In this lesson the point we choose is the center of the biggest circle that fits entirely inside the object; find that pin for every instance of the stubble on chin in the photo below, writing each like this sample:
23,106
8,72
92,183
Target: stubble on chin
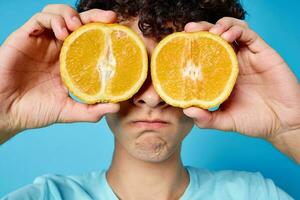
151,148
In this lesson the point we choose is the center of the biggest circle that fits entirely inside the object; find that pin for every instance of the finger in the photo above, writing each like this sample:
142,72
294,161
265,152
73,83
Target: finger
97,15
78,112
41,21
232,34
70,16
246,37
212,120
197,26
226,23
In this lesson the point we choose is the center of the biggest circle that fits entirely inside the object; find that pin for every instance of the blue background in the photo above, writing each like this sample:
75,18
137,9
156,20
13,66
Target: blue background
82,147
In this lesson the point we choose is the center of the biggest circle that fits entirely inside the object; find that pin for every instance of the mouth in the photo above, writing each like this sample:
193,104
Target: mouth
150,124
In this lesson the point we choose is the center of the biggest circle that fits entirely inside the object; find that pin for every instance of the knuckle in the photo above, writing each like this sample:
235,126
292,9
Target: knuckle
237,27
244,23
195,24
202,23
49,7
90,13
57,18
95,11
224,20
52,18
37,15
61,8
40,16
252,33
205,24
68,9
97,15
109,12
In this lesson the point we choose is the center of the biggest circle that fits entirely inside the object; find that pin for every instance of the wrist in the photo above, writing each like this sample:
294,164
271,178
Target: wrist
5,132
288,143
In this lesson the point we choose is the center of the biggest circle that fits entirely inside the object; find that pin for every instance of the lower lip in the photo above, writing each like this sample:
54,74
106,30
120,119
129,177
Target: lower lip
150,125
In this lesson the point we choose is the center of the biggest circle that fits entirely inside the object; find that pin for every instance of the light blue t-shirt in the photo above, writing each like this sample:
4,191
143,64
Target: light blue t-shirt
203,185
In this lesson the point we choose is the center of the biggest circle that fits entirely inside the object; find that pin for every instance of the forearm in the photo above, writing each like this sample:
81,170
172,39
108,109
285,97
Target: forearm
289,141
289,144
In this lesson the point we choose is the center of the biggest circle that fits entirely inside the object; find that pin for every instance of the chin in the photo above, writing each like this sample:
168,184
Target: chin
151,157
152,149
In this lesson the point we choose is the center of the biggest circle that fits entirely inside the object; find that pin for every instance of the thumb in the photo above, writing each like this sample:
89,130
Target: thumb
78,112
212,120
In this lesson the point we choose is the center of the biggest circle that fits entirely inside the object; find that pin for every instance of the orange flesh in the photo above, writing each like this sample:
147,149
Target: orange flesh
129,61
82,59
210,68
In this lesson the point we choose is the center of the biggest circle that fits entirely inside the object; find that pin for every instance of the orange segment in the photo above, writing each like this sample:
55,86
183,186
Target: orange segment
168,75
128,64
194,69
103,63
81,60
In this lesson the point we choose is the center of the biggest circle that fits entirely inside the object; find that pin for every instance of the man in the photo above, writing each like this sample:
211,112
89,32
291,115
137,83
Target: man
146,162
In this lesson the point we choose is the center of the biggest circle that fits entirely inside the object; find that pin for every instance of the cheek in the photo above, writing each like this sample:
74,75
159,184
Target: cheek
113,122
117,125
185,124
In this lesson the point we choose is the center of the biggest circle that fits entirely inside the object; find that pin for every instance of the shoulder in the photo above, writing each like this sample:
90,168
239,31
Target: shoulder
69,180
225,176
236,184
55,186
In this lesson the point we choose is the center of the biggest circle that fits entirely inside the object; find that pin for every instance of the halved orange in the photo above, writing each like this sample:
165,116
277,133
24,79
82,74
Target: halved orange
194,69
103,63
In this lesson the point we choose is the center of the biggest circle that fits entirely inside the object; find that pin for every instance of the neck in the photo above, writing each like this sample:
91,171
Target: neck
133,179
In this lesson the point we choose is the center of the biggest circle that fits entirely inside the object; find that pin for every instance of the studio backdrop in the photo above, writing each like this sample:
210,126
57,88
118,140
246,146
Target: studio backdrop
83,147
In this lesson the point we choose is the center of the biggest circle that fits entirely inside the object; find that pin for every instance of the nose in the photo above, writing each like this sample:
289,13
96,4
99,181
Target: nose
147,96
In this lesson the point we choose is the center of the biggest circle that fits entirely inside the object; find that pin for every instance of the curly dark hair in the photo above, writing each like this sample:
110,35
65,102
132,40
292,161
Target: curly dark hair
158,18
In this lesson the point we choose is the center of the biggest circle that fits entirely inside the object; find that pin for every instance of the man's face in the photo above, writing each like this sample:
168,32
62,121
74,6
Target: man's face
146,127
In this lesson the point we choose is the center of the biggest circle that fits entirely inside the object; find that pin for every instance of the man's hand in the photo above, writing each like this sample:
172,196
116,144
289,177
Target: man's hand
265,101
31,91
